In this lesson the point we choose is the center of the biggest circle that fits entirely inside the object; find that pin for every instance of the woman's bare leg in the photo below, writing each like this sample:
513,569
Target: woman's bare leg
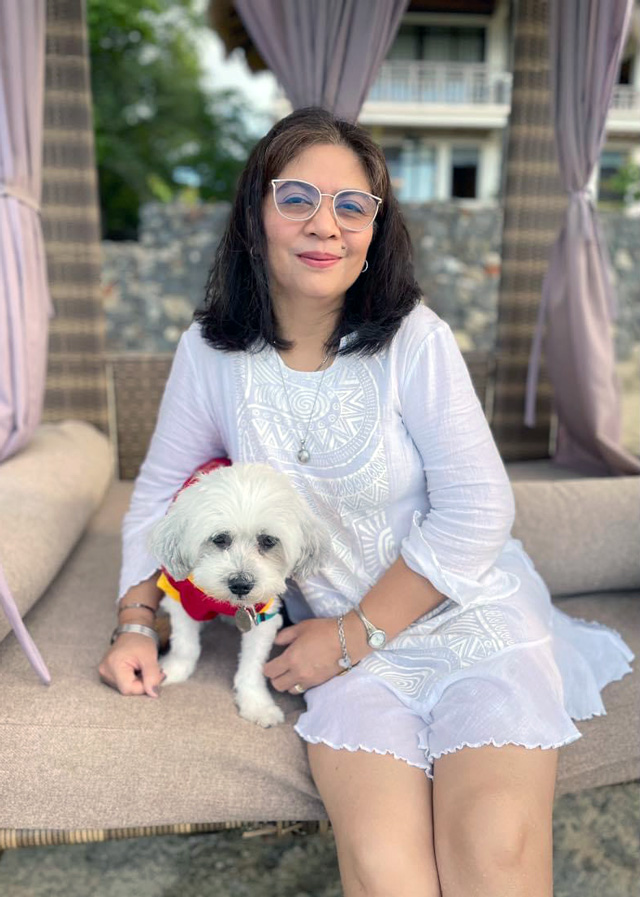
381,812
493,810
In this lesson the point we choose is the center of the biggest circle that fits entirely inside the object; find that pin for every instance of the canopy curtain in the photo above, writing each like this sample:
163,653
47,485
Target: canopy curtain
586,39
25,303
323,52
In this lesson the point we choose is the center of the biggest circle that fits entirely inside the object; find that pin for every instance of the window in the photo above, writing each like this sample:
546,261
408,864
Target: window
464,172
412,167
611,161
625,73
437,43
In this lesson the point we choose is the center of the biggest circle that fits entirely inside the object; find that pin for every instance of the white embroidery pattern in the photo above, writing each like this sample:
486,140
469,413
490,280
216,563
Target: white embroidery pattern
347,485
346,482
457,643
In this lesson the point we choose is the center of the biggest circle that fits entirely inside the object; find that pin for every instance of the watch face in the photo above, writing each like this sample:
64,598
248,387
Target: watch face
377,638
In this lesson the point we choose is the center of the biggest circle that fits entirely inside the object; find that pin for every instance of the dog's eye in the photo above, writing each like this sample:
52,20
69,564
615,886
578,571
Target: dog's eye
267,542
221,540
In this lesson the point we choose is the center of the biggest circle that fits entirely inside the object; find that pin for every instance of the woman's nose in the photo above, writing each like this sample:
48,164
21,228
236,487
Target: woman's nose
323,222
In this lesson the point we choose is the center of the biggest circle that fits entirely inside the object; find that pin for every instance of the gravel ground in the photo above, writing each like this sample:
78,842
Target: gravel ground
596,854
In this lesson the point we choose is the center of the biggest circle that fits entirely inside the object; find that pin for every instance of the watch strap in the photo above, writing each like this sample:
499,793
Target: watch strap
368,625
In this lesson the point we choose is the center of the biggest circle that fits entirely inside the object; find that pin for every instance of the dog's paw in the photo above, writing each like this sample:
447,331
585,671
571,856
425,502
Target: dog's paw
263,713
177,669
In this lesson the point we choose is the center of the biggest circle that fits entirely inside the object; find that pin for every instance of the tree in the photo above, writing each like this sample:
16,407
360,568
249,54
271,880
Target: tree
153,121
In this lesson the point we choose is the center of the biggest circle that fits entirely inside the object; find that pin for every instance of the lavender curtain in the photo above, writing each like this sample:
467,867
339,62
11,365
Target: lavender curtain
323,52
578,300
25,304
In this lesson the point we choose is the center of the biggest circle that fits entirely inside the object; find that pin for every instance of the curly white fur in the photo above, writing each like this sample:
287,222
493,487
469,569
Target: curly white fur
240,532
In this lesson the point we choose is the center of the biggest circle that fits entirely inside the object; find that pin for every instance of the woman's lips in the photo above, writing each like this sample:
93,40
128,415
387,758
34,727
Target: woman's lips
318,259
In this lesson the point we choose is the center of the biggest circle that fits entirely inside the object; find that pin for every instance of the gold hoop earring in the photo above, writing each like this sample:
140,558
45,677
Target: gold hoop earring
366,266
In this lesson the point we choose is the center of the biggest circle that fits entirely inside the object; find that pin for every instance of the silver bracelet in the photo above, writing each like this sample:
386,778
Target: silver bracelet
345,660
135,627
138,604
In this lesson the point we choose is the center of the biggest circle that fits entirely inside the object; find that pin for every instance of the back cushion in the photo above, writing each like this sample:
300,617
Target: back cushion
583,535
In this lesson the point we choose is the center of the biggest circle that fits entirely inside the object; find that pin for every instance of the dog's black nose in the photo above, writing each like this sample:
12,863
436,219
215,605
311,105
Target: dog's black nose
241,584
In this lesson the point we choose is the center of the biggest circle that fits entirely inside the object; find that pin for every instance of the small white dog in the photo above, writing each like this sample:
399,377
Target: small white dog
237,533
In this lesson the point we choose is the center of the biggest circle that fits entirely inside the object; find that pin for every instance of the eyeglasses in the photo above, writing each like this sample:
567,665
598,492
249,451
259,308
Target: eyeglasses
299,200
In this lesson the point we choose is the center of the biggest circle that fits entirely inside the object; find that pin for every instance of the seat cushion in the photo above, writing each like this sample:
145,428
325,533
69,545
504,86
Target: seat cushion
581,534
77,754
48,493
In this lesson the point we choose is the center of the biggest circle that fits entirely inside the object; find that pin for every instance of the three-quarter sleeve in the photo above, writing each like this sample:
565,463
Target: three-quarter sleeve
186,435
472,507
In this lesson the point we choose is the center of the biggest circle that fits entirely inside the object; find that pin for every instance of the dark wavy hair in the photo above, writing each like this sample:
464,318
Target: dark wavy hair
237,312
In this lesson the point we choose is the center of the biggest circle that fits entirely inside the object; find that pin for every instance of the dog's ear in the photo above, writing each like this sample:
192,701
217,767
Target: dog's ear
316,547
167,543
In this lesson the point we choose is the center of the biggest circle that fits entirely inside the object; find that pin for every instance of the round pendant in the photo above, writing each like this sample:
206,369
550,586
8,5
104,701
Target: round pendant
243,620
304,456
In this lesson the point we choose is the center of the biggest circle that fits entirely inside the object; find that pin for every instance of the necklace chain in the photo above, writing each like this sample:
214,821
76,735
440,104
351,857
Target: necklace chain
303,454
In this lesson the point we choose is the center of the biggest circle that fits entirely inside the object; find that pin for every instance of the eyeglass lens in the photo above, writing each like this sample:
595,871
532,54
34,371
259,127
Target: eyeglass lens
297,200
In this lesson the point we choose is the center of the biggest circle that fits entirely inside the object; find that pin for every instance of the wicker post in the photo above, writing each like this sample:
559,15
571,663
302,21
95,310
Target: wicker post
76,380
533,204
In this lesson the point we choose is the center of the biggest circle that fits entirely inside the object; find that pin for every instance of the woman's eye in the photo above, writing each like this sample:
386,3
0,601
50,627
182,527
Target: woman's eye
222,540
267,542
295,200
350,206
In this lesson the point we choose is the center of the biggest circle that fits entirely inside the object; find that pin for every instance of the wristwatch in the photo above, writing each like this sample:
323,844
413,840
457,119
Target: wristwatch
376,638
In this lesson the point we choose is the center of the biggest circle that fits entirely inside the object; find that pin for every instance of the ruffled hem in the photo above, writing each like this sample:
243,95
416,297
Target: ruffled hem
589,656
427,766
527,696
136,579
499,744
318,739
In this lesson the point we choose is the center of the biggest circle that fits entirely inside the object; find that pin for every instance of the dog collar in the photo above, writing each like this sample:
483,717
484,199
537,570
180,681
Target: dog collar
262,615
201,606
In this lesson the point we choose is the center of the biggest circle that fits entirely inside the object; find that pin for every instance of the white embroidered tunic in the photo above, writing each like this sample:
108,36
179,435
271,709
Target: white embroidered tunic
402,462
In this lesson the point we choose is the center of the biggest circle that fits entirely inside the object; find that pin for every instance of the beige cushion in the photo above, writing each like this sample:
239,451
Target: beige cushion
48,493
583,535
77,754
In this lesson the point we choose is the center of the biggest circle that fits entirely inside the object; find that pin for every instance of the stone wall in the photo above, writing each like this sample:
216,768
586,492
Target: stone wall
151,287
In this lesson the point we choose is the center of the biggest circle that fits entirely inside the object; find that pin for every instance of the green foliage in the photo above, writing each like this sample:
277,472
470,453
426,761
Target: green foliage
623,188
627,182
152,117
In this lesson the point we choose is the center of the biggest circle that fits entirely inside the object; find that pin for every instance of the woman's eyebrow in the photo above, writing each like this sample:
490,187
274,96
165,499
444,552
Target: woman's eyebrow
333,192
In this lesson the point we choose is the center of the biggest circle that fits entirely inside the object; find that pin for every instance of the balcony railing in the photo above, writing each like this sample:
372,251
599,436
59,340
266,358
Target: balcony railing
401,81
625,97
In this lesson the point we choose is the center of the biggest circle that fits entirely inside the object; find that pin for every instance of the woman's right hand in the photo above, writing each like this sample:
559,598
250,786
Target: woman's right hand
131,665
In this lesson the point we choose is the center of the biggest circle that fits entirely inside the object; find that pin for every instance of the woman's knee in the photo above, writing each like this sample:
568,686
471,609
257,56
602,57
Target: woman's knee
382,866
496,832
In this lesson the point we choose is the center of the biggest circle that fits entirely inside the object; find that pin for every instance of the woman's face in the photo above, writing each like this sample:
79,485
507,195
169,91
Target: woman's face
316,258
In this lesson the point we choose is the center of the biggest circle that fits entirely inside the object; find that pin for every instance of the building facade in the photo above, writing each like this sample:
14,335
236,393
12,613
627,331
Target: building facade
440,104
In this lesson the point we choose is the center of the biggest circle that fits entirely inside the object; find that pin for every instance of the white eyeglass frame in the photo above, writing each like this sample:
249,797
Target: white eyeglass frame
357,230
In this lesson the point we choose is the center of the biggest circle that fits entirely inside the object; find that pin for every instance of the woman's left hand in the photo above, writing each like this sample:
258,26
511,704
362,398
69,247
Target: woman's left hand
311,657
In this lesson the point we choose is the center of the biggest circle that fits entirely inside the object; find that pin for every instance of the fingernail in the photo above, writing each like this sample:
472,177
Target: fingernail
154,693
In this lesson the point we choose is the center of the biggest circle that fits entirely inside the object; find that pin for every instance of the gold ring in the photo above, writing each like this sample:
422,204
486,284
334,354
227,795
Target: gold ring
298,689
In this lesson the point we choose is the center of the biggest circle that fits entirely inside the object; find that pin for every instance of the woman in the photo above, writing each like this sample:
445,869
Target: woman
436,753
